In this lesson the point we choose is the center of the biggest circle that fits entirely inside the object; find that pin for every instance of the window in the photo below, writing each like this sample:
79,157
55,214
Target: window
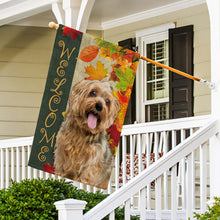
153,80
157,82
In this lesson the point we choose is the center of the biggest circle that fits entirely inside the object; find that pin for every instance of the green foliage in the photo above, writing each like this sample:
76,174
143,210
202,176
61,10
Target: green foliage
34,199
213,212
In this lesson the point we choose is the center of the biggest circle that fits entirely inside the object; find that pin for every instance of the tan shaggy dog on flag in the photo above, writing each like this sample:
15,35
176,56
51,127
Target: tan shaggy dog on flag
82,151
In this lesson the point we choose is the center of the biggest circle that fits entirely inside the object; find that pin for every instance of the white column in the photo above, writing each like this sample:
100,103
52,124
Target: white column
71,8
70,209
214,14
58,12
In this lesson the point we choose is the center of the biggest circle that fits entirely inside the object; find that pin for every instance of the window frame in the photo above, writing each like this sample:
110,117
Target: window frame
144,37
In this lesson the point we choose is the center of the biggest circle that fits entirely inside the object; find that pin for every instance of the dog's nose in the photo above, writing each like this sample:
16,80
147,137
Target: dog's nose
98,107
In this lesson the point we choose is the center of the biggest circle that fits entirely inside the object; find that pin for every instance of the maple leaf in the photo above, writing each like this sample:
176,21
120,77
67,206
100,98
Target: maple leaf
69,31
123,98
96,74
48,168
114,137
105,52
126,79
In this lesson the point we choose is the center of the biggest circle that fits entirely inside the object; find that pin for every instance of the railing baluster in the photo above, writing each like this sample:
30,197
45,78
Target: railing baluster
158,196
193,181
47,175
95,189
88,188
193,176
23,162
203,177
173,135
6,167
164,150
124,159
29,168
189,206
132,163
81,185
41,174
143,204
139,153
132,146
117,169
174,192
112,216
148,164
17,164
156,145
174,195
12,164
2,169
128,210
183,174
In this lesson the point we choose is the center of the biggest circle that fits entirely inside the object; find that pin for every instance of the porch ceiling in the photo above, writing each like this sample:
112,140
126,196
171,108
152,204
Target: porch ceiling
105,14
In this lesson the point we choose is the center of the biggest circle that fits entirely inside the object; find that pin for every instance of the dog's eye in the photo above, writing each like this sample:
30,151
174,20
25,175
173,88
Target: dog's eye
93,93
107,102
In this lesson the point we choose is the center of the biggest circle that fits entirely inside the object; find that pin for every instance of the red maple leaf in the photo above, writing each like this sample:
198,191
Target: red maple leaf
69,31
114,135
48,168
129,55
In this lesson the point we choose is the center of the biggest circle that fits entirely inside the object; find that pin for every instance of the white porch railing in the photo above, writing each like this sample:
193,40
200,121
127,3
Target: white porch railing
139,184
141,145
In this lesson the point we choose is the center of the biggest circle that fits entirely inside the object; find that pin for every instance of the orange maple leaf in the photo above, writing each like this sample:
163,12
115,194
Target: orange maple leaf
96,74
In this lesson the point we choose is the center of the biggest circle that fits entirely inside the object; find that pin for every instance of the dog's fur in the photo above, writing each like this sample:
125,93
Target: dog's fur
82,153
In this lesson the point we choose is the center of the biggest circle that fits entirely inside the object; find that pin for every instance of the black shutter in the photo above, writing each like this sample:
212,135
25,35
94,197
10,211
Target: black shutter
130,116
181,58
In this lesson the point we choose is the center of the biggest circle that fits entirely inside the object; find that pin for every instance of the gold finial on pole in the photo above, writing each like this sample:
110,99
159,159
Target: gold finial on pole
53,25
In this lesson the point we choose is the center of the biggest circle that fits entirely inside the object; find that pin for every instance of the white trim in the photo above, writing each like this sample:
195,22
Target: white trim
151,13
144,37
154,30
157,101
23,10
12,17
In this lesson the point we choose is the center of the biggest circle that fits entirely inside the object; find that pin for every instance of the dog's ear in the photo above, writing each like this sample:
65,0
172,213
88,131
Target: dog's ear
81,87
77,91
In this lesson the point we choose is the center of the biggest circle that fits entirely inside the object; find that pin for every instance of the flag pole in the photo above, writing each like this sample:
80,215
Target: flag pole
211,85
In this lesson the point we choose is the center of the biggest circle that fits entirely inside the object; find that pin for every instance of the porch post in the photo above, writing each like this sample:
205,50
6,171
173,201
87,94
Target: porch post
73,13
214,15
69,209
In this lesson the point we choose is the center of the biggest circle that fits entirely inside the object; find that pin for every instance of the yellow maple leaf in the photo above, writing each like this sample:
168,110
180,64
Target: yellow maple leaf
96,74
105,52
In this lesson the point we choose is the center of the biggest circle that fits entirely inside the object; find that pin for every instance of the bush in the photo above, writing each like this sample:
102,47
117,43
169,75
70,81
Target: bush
34,199
213,212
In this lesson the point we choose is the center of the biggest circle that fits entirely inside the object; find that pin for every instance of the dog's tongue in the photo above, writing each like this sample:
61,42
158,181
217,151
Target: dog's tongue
92,121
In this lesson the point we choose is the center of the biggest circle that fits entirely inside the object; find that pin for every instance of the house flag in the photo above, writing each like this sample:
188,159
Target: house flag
82,112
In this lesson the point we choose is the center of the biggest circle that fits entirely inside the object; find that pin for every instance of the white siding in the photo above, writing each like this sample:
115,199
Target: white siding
24,62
